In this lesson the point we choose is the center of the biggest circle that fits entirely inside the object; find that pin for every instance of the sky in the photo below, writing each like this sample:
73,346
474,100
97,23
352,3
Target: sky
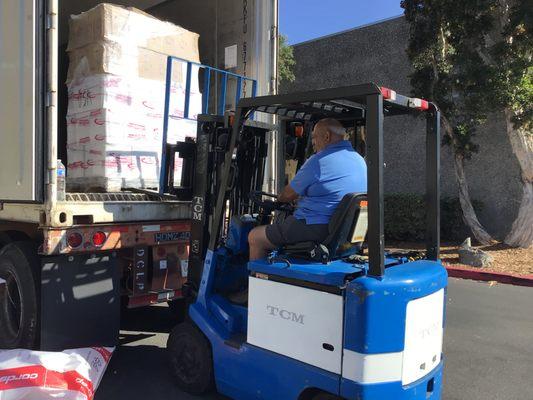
302,20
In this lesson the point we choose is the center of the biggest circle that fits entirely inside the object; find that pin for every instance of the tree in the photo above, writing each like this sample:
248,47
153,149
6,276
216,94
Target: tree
473,57
286,61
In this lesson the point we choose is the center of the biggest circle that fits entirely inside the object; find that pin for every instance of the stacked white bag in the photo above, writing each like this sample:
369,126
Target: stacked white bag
116,87
36,375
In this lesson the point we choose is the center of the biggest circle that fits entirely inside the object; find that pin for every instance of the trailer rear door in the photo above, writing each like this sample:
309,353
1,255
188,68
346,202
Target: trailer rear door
21,94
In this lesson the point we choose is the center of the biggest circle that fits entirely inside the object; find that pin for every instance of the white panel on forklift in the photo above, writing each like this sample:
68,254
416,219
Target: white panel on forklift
423,336
304,324
372,368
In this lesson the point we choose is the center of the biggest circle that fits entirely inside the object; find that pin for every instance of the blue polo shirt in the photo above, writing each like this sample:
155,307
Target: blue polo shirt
325,178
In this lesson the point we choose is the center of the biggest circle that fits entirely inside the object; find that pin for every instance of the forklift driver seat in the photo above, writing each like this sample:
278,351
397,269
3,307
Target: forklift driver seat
347,230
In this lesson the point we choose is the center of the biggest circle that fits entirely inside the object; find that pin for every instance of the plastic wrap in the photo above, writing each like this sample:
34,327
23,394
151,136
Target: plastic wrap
116,97
69,375
115,130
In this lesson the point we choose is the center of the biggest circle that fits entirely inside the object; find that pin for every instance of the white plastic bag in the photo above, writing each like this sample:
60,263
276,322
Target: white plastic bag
35,375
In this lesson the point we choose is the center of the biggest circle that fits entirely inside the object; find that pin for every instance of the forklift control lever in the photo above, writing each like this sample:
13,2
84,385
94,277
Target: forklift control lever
269,205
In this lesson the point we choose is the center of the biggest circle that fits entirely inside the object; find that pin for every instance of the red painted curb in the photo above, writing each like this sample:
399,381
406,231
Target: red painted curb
474,274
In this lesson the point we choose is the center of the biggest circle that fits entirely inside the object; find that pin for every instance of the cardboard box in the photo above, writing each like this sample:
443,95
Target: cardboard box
121,60
127,25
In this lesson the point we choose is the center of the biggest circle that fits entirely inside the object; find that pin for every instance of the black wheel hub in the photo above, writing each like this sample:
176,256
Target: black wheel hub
11,306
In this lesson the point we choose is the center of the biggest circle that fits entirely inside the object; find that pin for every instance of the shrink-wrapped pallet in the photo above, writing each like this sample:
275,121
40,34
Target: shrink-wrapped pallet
116,87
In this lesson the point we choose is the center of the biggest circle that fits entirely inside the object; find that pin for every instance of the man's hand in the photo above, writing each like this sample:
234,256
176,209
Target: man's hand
287,195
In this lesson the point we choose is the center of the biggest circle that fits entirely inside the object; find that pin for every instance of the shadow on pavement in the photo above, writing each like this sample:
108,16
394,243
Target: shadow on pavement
139,369
141,372
156,319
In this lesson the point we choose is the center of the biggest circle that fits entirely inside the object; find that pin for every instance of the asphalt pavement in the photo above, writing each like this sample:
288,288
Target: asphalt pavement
488,347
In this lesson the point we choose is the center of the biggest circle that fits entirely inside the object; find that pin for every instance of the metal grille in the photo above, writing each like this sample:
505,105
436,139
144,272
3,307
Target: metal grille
109,197
306,110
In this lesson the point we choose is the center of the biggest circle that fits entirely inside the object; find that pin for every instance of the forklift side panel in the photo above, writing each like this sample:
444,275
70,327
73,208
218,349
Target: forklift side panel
248,372
298,322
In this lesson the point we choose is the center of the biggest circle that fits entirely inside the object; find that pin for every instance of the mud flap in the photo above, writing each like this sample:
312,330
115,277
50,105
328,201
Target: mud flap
80,301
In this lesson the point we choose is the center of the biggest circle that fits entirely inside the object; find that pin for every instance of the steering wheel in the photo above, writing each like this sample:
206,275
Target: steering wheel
269,205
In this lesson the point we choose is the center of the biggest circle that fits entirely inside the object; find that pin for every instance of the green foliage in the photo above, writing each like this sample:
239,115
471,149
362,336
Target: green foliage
286,61
513,57
405,218
472,57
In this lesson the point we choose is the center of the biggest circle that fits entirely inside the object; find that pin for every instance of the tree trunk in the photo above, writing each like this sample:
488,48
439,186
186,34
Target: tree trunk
469,214
521,234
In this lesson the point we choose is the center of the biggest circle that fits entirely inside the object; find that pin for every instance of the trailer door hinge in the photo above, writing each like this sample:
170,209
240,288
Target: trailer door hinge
273,31
50,99
51,21
49,177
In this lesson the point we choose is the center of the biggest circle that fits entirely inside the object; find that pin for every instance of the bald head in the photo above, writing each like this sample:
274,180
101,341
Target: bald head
327,131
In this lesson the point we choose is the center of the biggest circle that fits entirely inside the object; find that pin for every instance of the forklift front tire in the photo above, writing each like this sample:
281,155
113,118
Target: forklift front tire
191,359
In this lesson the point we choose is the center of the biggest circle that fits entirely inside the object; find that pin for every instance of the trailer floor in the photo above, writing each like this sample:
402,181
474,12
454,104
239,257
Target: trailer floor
488,348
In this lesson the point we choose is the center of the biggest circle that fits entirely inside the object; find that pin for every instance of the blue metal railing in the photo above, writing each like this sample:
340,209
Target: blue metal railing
221,108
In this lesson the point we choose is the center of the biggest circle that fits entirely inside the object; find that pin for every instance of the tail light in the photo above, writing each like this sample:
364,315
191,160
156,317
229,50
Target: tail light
74,240
99,238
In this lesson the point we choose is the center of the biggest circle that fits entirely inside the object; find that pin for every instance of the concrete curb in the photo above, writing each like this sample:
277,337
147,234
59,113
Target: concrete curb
478,275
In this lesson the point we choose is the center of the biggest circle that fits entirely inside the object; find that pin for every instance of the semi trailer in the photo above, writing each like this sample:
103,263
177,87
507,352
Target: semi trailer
70,259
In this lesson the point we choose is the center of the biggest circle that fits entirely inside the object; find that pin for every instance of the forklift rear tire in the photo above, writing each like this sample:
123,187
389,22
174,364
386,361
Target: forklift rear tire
191,359
19,299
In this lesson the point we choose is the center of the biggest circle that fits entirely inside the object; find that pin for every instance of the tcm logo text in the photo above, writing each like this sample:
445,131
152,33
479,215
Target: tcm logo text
285,314
197,208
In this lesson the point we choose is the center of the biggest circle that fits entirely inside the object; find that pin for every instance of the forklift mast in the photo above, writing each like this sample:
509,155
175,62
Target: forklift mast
245,173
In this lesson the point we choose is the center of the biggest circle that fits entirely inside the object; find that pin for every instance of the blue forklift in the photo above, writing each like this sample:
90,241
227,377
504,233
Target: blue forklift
342,319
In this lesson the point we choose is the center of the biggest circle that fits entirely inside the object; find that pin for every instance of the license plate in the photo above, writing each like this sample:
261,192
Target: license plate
171,236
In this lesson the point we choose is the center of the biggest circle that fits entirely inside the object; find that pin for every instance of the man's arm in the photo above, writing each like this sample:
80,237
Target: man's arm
287,195
304,178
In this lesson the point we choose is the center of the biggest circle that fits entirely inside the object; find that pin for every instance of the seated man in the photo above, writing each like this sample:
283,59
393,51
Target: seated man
335,170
